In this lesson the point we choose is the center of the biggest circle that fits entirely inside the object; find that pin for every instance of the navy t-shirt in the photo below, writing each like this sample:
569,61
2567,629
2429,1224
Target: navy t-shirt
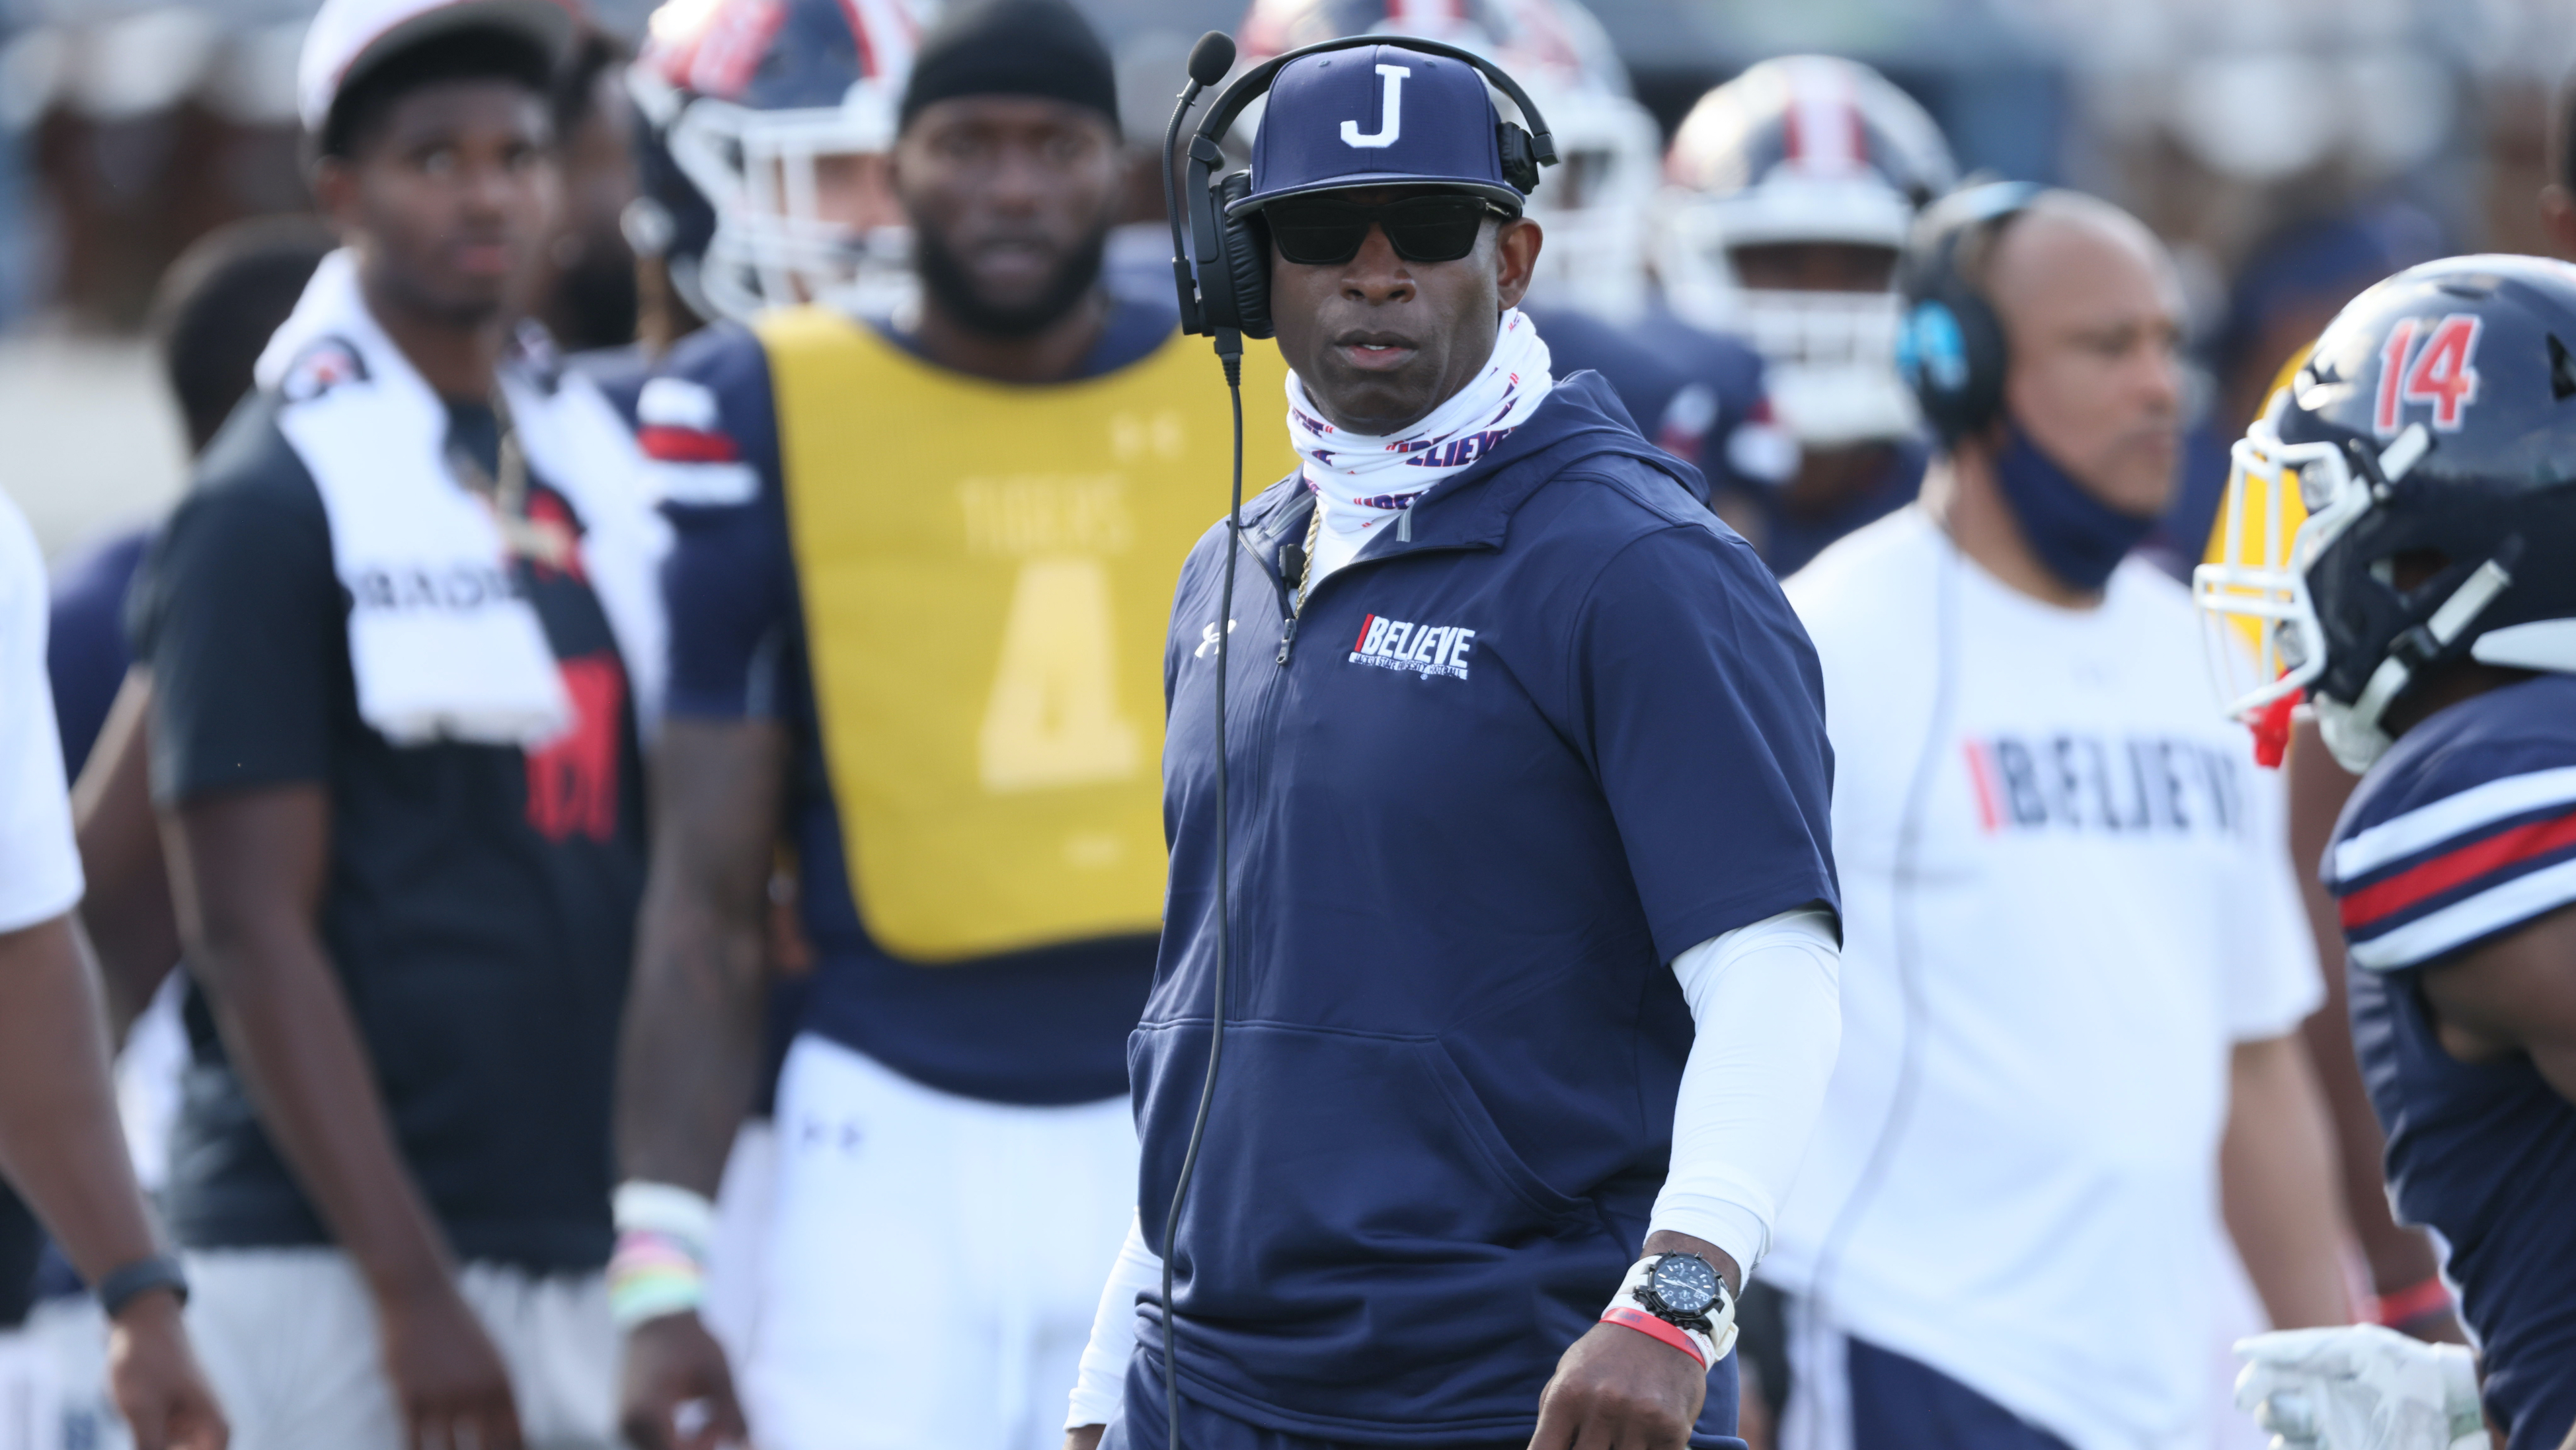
2464,831
1510,766
1045,1026
481,899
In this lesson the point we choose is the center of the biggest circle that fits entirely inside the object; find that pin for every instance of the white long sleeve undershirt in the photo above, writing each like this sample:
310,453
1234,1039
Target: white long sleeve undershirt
1766,1005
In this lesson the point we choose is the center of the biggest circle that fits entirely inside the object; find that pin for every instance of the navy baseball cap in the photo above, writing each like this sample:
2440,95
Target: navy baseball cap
1377,115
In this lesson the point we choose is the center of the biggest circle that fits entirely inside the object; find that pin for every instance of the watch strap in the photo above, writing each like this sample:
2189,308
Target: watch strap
121,1287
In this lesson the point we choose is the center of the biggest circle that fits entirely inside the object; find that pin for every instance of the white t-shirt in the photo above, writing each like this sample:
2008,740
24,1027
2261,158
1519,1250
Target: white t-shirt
2066,895
40,876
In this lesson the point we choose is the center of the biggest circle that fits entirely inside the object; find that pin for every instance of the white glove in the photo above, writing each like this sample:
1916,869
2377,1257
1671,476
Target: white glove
2360,1387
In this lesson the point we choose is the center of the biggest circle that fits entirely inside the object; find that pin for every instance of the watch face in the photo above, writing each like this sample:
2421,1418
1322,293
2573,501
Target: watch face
1685,1283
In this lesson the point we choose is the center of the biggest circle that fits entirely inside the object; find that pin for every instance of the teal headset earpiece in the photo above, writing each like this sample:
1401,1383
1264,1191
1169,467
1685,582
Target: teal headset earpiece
1950,345
1230,286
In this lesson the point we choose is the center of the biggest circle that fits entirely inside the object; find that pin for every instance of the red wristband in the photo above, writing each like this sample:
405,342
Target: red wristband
1645,1323
2412,1302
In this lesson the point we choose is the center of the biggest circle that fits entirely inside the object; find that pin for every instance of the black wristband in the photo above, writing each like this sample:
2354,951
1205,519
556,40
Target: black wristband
122,1287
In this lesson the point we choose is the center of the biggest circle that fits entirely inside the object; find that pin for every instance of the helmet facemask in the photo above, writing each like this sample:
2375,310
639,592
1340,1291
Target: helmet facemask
2264,640
777,240
2287,506
1831,354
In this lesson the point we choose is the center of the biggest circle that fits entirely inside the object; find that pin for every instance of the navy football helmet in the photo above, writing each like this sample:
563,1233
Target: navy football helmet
2430,443
782,112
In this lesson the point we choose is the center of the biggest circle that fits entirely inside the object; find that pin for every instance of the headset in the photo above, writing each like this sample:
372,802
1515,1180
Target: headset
1228,297
1950,349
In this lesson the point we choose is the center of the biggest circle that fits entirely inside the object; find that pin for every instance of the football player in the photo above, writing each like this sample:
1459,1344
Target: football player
1792,188
918,601
2285,294
2424,610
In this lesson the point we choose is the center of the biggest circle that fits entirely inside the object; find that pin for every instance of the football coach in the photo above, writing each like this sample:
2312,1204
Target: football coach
1535,942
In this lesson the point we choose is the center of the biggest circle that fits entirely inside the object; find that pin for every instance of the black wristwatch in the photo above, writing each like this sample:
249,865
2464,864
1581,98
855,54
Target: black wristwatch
122,1287
1682,1290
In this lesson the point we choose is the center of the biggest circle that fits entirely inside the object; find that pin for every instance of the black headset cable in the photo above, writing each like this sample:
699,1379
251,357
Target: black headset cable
1210,59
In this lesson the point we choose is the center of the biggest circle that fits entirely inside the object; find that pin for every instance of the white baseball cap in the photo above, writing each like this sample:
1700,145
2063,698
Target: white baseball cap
347,37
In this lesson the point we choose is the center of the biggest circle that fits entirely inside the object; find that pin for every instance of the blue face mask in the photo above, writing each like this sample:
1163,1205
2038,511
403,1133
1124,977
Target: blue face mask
2079,538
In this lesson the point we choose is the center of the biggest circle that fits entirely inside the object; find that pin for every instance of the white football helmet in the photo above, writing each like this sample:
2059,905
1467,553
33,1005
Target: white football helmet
1804,149
752,97
1596,202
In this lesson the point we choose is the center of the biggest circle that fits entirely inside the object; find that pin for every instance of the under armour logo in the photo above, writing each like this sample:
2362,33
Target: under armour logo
1207,639
1390,119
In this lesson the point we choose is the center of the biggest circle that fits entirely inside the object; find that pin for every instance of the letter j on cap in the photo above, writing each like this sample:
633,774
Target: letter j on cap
1390,120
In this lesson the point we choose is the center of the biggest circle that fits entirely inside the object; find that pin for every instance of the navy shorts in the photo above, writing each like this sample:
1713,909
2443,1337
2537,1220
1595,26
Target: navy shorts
1141,1425
1849,1394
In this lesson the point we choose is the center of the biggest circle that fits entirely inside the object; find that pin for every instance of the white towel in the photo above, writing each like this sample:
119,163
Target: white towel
442,646
576,444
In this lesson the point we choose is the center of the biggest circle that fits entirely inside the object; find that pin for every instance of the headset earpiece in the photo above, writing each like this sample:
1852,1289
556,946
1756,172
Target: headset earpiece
1520,157
1950,345
1950,350
1242,263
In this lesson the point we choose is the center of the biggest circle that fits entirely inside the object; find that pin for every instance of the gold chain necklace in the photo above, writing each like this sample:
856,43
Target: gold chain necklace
508,494
1306,570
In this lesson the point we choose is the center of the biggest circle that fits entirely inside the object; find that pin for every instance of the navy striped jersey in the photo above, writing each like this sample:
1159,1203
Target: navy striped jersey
2463,832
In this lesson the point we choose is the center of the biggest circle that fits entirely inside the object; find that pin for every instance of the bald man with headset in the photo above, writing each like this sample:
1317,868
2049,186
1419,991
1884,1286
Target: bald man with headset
2075,967
1525,969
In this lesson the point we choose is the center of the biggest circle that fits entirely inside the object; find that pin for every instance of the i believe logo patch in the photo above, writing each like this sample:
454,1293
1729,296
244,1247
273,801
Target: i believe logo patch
1424,649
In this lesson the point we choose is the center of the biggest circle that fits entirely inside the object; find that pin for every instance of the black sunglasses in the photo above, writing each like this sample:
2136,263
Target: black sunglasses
1317,231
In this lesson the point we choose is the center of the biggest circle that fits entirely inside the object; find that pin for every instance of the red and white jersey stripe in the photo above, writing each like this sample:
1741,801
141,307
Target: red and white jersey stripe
2466,829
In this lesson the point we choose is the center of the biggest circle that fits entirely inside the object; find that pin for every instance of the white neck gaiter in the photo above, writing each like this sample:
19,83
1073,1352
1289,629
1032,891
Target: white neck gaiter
1360,482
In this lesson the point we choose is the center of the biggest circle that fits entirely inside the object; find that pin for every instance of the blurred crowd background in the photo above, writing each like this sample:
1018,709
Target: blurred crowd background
2290,150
